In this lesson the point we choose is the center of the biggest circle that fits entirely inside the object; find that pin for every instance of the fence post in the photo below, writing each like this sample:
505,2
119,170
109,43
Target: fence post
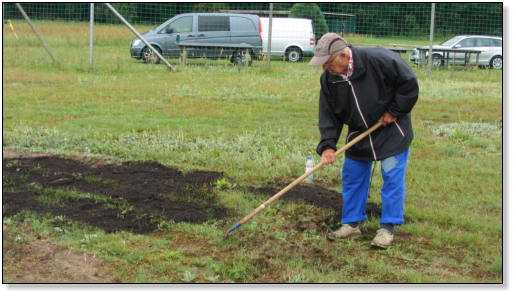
91,35
271,7
36,32
3,23
139,36
430,52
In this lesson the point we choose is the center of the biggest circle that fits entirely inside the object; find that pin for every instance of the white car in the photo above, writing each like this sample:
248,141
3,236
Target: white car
491,47
291,37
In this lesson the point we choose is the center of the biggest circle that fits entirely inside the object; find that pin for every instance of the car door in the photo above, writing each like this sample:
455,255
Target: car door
484,45
182,27
212,29
466,44
496,47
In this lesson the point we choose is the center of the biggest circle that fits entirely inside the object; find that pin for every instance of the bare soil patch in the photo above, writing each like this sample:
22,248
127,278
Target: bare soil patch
41,261
150,192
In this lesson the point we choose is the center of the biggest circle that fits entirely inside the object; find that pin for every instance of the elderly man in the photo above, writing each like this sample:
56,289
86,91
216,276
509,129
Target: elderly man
360,87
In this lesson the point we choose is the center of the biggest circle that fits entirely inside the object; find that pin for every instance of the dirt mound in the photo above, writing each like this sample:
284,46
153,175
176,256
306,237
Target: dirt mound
305,225
132,196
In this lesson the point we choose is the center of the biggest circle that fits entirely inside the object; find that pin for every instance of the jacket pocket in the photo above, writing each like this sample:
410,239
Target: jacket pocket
351,136
399,128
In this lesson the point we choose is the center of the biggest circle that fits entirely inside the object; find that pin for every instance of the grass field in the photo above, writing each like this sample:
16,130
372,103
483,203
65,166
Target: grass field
258,126
69,42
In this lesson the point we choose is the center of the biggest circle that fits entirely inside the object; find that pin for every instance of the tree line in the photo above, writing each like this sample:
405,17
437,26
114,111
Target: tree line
377,19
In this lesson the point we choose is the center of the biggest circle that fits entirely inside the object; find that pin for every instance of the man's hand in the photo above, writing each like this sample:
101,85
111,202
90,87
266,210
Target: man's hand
328,157
387,118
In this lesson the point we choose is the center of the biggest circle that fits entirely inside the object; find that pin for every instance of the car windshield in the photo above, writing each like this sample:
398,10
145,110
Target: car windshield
452,41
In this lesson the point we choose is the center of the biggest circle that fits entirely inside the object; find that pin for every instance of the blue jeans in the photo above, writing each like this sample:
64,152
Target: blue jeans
356,176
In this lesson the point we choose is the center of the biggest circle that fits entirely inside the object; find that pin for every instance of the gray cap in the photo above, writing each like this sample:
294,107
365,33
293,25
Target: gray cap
329,44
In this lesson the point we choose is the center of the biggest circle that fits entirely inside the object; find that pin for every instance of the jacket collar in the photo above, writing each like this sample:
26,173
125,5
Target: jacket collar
358,70
359,67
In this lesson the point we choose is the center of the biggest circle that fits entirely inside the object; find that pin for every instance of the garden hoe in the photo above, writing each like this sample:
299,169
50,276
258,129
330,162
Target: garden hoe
300,179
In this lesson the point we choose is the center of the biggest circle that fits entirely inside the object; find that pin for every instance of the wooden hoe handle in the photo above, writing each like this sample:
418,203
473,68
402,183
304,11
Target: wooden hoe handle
301,178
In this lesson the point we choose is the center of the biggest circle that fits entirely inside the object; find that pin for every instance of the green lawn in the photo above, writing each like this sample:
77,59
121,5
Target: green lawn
69,42
259,125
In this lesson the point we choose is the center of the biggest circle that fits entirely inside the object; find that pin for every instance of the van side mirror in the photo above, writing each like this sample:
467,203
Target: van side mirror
169,30
458,46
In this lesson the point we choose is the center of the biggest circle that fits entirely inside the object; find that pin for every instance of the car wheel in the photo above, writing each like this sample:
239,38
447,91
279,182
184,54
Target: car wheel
437,61
240,58
294,55
496,62
149,57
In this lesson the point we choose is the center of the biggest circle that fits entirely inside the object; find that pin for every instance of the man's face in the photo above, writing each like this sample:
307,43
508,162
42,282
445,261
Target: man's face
337,65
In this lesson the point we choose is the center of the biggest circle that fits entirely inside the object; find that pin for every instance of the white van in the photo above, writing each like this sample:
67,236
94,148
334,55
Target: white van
293,38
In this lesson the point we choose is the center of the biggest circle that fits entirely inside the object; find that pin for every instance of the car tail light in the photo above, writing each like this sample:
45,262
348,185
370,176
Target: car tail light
260,26
311,41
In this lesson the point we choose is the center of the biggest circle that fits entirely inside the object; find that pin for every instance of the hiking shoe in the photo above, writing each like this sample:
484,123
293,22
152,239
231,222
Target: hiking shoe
345,232
383,239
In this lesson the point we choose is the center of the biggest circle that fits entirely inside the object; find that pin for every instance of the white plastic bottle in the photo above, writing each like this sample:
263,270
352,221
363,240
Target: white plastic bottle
309,166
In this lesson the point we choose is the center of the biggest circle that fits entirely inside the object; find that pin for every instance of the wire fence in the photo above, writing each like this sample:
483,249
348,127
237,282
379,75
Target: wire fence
237,34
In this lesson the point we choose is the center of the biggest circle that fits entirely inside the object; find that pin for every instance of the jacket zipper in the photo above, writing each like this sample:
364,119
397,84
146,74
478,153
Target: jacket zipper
360,111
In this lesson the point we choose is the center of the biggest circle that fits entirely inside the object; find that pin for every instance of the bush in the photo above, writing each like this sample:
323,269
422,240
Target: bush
210,7
313,12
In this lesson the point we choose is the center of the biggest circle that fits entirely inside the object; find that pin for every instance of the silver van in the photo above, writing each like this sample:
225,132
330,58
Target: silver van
291,37
201,28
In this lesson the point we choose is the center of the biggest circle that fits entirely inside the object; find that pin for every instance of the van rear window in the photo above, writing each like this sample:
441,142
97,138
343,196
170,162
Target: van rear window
213,23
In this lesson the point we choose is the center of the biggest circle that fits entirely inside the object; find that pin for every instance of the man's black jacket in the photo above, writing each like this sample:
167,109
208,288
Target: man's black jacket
381,81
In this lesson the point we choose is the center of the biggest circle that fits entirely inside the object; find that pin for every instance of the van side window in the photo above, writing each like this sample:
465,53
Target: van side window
213,23
242,24
180,25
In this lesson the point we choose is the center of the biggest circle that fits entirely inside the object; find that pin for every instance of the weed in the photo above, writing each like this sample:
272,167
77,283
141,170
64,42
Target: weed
173,254
279,235
297,279
212,278
12,163
20,238
76,176
188,276
221,184
92,180
89,239
236,271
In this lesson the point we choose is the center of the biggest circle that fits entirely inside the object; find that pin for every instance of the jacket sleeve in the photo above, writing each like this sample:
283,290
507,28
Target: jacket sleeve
329,126
398,74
